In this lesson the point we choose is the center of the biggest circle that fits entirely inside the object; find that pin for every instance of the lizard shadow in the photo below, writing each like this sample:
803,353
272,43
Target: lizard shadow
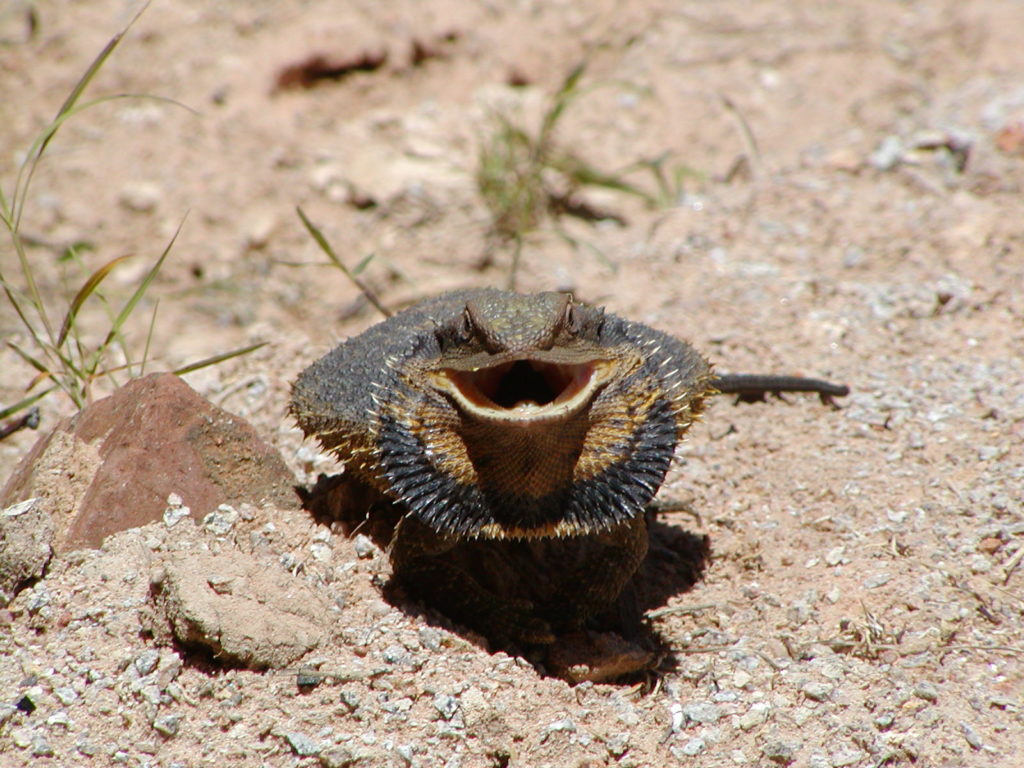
616,645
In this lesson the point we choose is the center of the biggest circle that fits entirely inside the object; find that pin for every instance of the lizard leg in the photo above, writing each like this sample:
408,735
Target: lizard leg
597,582
419,559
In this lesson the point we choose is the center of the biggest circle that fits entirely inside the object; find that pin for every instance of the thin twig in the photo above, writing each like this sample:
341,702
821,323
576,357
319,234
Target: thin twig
681,610
28,421
1000,648
749,141
318,236
719,648
1012,564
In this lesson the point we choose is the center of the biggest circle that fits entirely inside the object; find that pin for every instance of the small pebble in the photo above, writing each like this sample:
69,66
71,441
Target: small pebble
741,679
972,736
221,521
818,691
66,695
40,746
22,737
887,155
846,757
701,712
980,564
59,718
989,452
337,757
990,544
781,752
396,654
926,691
565,724
20,508
140,196
363,546
755,716
617,744
350,699
835,555
430,638
446,704
853,257
301,745
146,662
168,725
675,711
405,752
175,511
876,580
321,552
258,228
693,747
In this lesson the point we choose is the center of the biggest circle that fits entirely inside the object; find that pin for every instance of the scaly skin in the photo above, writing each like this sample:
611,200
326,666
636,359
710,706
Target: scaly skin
497,417
522,429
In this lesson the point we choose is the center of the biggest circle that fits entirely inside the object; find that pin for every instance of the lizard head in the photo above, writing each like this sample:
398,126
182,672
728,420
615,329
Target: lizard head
522,360
524,414
499,415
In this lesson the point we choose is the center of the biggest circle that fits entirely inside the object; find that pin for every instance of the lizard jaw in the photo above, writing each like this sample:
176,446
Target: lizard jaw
525,391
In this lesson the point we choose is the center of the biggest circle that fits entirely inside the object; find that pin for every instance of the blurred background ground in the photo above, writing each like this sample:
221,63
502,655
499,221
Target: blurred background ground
848,206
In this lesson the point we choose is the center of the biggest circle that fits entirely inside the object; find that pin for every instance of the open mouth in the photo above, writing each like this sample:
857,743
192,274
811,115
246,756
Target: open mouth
522,390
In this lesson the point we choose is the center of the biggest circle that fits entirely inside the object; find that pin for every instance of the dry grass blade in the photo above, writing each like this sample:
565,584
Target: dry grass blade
681,610
206,362
26,402
745,132
149,337
34,362
318,236
358,269
139,292
84,292
65,111
566,94
586,175
60,354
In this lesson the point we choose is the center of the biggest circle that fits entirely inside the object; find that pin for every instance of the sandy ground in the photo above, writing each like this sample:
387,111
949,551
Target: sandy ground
852,209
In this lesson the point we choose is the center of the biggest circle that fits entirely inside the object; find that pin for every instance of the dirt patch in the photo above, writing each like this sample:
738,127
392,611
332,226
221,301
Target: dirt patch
848,207
234,607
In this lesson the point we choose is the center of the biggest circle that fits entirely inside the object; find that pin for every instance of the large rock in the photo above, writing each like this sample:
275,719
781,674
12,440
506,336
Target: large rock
26,536
238,609
113,465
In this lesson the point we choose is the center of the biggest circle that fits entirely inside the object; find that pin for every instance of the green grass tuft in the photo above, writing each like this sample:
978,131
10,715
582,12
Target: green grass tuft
58,353
527,179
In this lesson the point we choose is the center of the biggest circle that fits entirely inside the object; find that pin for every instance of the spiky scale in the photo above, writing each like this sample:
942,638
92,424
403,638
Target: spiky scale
419,406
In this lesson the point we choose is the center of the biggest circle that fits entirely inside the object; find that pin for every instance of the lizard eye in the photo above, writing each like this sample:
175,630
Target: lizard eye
455,332
575,319
466,325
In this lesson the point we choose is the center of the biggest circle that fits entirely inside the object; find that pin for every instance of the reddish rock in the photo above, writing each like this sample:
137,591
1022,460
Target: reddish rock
113,465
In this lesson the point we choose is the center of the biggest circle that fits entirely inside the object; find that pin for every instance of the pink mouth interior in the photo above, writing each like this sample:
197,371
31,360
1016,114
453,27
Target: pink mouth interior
523,382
